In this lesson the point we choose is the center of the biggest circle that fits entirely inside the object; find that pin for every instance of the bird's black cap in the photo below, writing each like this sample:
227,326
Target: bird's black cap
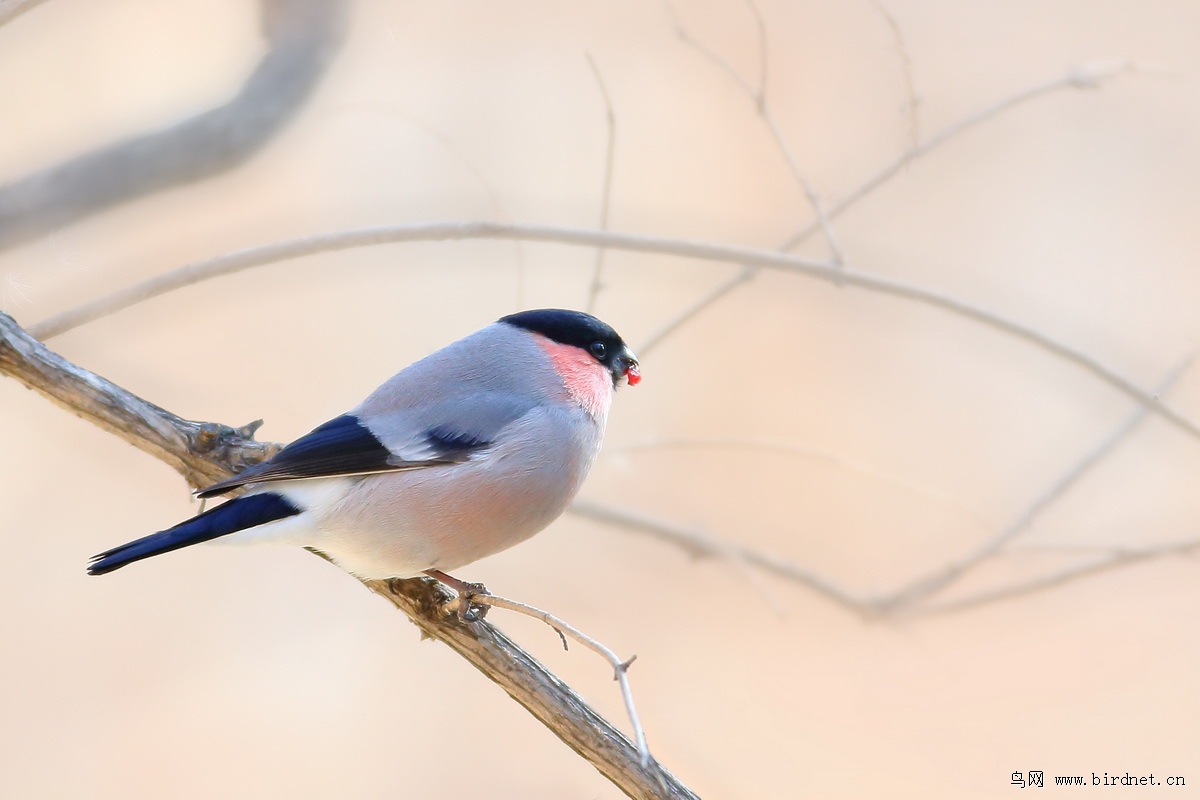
579,330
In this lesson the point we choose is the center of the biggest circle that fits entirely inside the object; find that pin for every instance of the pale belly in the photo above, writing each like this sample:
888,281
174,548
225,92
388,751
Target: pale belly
402,523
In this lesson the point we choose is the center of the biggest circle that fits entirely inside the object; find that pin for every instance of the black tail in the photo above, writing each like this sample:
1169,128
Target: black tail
236,515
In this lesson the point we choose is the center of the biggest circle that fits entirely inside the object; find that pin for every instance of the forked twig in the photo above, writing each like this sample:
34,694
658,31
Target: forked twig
699,544
1088,76
561,627
1084,77
759,98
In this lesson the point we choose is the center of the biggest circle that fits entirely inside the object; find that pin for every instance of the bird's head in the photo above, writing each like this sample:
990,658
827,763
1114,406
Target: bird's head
587,333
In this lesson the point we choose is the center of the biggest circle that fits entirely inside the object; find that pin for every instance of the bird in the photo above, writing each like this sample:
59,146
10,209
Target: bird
460,455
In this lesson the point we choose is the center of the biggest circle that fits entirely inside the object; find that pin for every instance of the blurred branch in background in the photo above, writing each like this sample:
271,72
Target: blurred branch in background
204,452
934,583
302,37
610,152
1088,76
11,9
910,87
828,271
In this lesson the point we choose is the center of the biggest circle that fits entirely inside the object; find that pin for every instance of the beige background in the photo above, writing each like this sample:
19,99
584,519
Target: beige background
220,672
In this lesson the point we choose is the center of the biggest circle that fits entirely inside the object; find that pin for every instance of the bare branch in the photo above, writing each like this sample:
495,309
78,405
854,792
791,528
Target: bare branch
605,197
687,248
543,694
205,452
303,35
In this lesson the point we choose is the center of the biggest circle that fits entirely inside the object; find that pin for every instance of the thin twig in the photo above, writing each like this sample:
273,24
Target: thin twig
620,667
1089,76
759,98
759,95
743,275
605,197
930,584
721,64
821,270
761,26
910,88
824,220
1116,559
498,208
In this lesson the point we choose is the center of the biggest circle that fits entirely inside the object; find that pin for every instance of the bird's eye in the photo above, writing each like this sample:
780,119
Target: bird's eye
599,350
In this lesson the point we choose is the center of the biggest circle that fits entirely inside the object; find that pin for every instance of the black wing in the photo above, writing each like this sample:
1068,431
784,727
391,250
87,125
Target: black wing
345,446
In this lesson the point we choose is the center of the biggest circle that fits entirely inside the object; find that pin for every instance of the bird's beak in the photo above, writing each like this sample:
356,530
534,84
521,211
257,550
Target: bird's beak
627,366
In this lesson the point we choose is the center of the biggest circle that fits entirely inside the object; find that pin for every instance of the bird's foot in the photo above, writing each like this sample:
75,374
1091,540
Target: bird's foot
467,610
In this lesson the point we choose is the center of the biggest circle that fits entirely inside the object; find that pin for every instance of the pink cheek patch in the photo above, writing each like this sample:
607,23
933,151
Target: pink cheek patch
586,380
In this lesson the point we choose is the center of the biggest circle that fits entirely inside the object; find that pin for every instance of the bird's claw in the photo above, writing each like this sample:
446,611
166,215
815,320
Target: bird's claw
469,611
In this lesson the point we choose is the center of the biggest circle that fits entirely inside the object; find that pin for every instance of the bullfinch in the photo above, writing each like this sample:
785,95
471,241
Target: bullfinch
465,453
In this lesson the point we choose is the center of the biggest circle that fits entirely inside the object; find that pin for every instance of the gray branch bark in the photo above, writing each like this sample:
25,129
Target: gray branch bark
204,452
302,37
